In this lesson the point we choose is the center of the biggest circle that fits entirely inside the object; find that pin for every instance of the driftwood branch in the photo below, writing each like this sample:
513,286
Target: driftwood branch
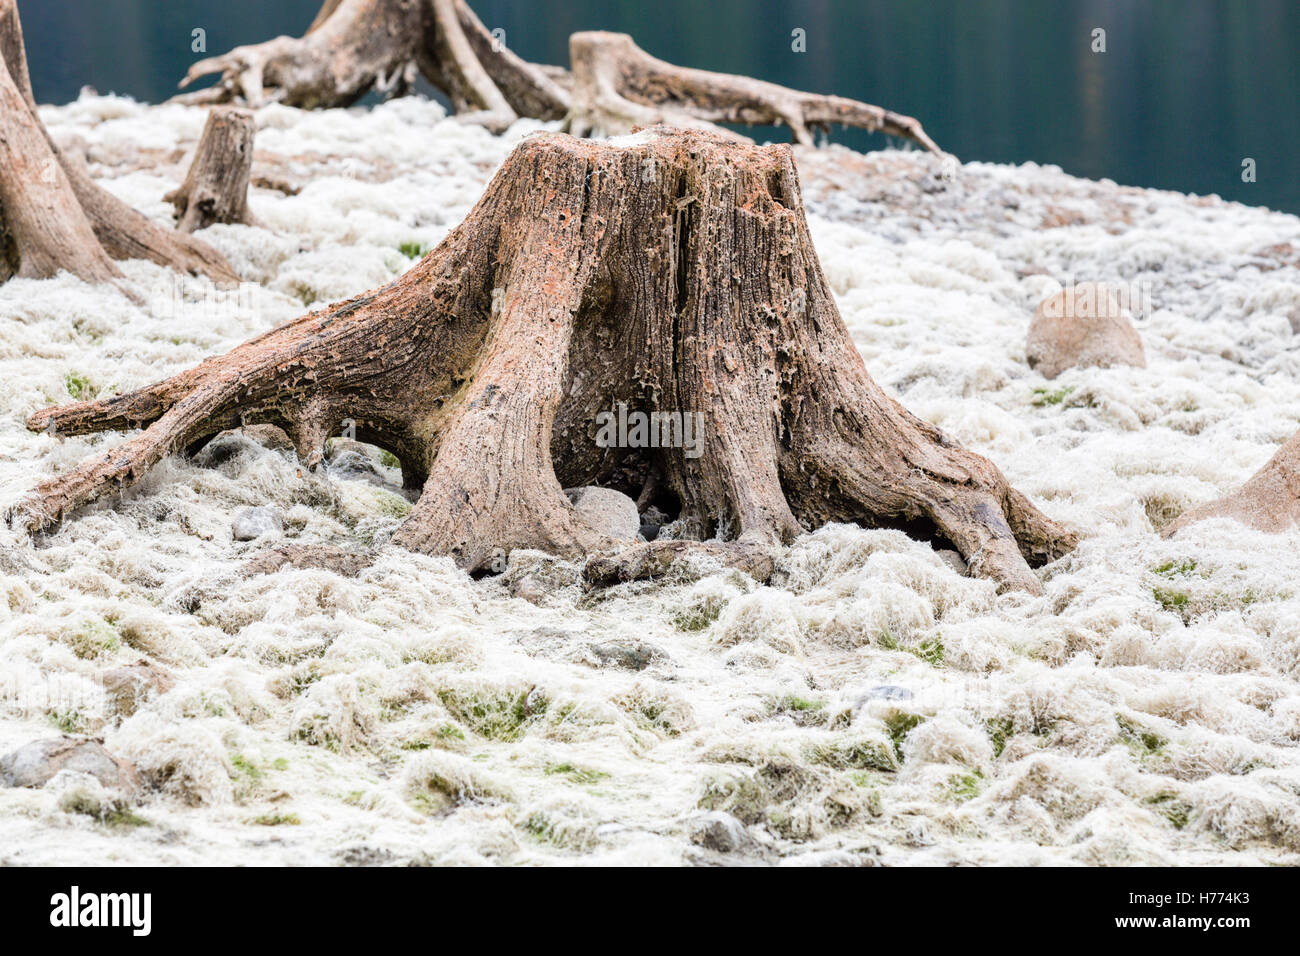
612,87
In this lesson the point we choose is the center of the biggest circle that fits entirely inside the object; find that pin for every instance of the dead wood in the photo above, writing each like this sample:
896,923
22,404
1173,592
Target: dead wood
216,187
672,273
354,47
52,215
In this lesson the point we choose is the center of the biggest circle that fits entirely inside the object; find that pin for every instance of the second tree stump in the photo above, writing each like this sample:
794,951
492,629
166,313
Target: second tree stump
216,187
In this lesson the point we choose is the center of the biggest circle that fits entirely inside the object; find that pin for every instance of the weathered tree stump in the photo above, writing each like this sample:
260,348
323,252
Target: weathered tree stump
355,46
52,214
671,272
216,187
42,227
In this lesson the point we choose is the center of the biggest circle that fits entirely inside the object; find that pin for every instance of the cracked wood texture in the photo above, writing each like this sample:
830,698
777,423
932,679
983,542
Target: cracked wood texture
53,216
671,271
216,186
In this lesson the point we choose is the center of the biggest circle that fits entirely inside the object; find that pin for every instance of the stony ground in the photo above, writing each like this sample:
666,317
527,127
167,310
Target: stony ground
871,706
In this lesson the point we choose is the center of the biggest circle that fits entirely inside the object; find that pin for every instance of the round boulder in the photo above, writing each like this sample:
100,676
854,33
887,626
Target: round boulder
608,511
1083,326
1268,502
250,524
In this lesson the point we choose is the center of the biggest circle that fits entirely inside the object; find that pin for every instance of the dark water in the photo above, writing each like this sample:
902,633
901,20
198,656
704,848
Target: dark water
1186,90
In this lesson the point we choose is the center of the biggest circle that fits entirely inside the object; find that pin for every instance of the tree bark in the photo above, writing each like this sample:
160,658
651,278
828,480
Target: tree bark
216,187
42,224
52,215
355,46
673,273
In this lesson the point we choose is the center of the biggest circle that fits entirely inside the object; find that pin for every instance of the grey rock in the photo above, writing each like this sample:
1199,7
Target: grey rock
608,511
342,447
362,855
953,560
251,523
882,692
226,449
630,655
242,443
547,641
536,577
351,467
889,692
720,832
35,764
270,437
652,519
530,589
354,461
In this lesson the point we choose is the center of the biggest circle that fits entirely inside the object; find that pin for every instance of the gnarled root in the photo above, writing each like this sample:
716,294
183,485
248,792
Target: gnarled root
673,275
618,87
614,86
357,46
52,214
352,47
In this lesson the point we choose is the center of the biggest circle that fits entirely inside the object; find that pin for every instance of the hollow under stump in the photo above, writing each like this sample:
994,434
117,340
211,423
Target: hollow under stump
670,271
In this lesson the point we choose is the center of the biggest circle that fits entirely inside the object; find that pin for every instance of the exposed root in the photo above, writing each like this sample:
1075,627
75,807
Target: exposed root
618,87
579,284
52,214
355,46
352,47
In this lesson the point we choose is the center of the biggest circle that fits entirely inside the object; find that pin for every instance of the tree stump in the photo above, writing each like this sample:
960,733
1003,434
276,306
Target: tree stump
670,272
42,227
216,187
355,46
52,214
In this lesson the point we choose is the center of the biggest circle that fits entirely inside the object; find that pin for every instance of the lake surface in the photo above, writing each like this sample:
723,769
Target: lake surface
1183,94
